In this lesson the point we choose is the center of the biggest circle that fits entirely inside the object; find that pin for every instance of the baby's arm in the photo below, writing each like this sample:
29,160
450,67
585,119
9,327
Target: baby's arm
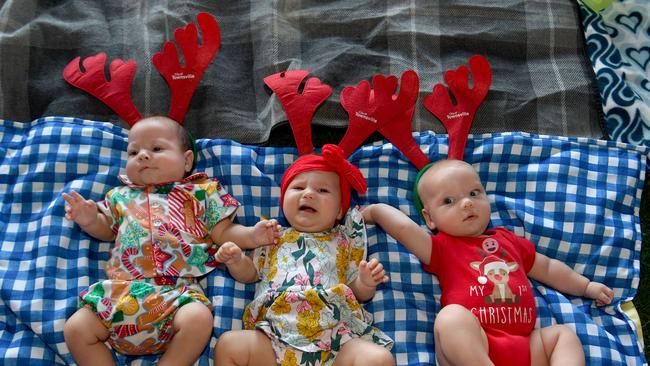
370,275
240,266
265,232
564,279
85,213
401,228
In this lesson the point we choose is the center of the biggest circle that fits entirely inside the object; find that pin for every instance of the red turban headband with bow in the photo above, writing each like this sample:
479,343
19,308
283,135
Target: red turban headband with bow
332,160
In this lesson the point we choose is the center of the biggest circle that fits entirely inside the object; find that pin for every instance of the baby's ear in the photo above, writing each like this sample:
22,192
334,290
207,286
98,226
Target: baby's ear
189,160
427,219
340,214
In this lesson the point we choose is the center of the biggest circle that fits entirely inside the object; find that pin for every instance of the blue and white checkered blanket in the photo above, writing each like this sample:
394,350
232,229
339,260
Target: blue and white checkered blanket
578,199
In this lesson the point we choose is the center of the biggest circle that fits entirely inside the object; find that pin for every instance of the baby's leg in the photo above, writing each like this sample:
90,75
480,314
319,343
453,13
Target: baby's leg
192,330
556,345
357,352
85,335
459,338
244,347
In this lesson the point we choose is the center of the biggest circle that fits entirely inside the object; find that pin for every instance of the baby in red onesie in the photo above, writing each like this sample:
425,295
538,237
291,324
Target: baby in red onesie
488,315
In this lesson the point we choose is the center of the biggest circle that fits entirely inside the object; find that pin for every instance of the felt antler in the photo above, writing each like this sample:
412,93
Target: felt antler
380,109
458,119
182,81
115,93
300,108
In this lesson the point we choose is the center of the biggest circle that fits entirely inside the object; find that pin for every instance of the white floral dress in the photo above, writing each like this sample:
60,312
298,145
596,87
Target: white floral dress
303,302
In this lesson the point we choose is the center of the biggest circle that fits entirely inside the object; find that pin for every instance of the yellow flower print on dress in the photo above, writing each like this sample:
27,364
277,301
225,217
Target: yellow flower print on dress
309,324
280,305
289,359
357,255
342,260
314,300
323,236
290,236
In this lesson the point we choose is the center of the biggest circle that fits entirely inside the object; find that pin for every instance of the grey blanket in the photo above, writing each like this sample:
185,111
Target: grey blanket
542,79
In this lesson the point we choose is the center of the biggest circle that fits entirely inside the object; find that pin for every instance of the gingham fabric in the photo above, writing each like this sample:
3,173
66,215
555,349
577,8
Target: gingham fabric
577,198
542,79
618,44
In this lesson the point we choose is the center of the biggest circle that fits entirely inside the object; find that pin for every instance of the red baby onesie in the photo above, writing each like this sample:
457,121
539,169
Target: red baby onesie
487,275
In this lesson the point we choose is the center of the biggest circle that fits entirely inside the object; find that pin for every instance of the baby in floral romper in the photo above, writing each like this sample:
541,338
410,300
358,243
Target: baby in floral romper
164,222
306,308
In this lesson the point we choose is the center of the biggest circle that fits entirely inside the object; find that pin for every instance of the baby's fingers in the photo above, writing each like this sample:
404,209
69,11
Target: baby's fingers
605,297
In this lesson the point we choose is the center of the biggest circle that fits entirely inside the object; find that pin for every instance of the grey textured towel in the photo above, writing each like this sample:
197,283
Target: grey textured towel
542,79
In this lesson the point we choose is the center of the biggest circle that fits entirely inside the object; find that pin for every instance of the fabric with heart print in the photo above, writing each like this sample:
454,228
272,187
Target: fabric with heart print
618,43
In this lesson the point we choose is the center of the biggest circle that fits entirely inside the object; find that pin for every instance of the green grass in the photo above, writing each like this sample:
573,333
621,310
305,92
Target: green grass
642,300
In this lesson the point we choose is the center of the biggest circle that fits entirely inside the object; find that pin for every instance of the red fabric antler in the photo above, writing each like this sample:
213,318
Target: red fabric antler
458,119
380,109
182,81
116,94
300,108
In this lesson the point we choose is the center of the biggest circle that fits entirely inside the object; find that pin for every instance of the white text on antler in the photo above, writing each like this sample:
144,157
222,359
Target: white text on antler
363,115
457,115
179,76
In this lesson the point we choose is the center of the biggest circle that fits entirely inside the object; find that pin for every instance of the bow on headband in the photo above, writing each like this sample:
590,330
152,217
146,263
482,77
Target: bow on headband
331,160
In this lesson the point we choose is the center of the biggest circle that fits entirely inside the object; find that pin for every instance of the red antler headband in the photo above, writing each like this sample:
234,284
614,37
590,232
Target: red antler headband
457,119
380,109
300,109
182,80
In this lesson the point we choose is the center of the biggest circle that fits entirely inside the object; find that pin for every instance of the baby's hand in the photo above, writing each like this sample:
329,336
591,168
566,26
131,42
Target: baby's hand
229,253
79,209
266,232
372,273
599,292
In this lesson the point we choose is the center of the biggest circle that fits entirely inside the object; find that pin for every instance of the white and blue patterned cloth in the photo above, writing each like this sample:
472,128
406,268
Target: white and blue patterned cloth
577,198
618,43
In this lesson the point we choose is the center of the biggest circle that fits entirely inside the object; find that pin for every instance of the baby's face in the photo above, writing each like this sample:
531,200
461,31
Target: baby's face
155,154
454,199
312,201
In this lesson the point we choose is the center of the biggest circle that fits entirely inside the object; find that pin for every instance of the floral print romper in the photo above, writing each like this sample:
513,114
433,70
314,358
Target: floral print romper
302,301
162,244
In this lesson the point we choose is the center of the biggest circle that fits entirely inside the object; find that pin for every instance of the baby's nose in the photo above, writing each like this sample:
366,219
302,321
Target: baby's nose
143,155
467,203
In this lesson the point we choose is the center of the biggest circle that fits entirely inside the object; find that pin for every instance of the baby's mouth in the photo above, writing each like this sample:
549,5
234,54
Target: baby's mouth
469,218
305,208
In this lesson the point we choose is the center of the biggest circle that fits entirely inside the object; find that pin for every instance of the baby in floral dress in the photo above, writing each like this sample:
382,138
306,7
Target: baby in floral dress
164,222
307,307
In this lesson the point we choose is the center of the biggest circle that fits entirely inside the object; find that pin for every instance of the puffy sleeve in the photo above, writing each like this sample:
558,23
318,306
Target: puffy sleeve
219,204
109,207
354,229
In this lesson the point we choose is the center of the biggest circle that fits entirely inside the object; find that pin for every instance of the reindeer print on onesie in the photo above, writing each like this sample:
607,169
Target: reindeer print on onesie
487,275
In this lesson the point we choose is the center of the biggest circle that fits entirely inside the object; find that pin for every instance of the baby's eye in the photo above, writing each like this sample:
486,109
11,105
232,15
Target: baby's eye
323,190
132,153
157,149
298,188
448,201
